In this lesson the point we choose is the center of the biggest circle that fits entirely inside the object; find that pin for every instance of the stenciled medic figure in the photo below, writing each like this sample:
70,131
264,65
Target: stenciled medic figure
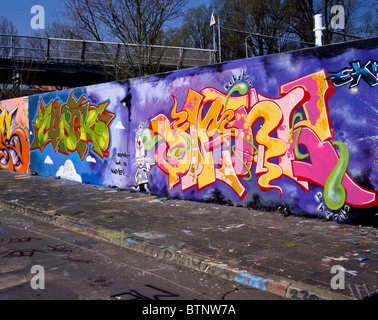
143,167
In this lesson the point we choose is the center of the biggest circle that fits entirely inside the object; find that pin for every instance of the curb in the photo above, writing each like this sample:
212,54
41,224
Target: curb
283,287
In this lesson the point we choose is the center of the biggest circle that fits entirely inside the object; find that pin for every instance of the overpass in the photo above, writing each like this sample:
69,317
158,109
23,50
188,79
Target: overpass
70,62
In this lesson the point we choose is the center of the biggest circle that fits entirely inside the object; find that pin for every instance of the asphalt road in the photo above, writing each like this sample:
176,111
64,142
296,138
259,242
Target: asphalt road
72,266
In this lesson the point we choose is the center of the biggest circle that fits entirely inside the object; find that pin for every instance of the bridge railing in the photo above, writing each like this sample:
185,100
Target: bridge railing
72,51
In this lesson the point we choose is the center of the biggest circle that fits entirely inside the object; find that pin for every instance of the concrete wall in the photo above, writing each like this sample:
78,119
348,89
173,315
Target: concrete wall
295,132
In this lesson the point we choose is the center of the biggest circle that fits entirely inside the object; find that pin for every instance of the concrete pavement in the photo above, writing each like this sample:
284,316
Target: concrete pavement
288,256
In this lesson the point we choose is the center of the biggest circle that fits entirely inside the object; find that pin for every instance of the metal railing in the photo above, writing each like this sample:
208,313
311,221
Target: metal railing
72,51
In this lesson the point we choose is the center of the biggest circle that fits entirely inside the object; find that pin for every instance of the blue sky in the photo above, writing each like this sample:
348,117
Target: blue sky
18,11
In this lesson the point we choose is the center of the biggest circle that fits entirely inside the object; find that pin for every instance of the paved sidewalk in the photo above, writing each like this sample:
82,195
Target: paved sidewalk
289,256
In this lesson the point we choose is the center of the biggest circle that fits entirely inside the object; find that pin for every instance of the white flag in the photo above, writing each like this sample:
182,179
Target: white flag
212,21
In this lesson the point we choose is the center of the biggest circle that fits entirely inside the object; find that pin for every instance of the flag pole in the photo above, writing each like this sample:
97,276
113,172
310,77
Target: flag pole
219,41
212,24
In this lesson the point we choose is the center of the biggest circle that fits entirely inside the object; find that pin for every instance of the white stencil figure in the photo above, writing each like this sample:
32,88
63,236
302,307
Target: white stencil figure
143,166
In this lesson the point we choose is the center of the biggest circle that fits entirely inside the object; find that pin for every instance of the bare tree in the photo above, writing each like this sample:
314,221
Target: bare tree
9,87
137,22
298,18
195,30
260,20
368,24
251,22
13,82
281,25
350,8
7,28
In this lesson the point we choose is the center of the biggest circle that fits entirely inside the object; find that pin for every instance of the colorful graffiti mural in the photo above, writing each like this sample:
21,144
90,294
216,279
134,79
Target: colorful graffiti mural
191,136
296,130
14,137
368,71
71,126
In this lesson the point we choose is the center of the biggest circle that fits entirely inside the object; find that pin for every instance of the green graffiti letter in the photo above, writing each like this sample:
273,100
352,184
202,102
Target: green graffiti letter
334,192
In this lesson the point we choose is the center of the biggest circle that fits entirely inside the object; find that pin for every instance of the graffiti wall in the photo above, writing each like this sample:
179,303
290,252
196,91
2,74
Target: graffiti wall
71,135
295,130
14,135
